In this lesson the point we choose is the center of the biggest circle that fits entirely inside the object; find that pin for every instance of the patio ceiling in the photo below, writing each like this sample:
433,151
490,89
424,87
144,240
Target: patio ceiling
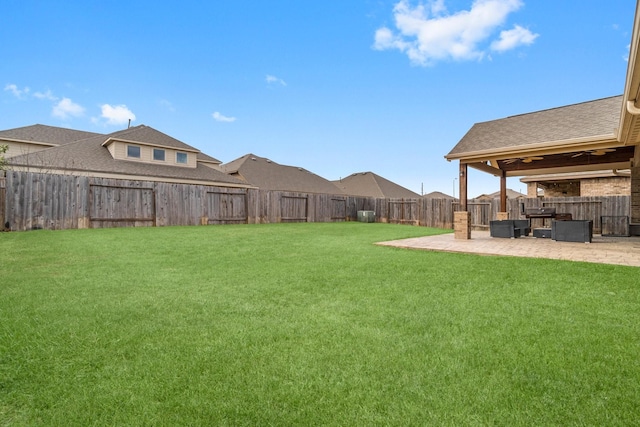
526,163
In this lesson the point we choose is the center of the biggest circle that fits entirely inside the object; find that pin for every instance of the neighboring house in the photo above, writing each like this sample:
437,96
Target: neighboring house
597,183
438,195
29,139
136,153
268,175
368,184
511,194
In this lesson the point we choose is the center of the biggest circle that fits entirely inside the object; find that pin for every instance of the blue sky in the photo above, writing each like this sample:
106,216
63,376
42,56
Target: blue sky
336,87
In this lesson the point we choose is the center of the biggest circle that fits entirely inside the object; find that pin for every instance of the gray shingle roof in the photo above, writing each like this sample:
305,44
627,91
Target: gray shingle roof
269,175
148,135
368,184
587,119
46,134
438,195
89,155
511,194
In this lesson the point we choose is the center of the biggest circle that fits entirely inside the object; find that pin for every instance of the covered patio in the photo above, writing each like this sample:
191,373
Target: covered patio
598,135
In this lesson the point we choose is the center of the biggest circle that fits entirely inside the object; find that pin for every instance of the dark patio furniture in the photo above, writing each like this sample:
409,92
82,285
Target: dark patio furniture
509,228
563,217
523,225
572,231
542,233
542,212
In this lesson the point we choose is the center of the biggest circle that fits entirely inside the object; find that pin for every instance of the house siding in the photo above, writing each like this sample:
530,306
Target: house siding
119,151
19,148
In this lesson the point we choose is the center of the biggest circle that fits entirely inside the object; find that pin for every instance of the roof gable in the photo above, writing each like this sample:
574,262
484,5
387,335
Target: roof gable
438,195
143,134
368,184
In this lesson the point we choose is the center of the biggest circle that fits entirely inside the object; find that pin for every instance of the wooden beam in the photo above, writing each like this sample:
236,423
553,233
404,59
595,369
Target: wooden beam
503,192
484,167
622,154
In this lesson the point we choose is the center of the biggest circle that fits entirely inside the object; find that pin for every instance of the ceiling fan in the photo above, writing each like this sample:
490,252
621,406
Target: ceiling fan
598,152
528,159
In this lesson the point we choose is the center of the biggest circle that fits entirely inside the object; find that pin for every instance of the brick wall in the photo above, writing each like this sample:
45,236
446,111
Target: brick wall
562,189
635,195
612,186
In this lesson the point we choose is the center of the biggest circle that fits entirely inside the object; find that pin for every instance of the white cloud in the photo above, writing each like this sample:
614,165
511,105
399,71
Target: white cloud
16,91
48,95
66,108
427,33
220,118
510,39
275,80
116,114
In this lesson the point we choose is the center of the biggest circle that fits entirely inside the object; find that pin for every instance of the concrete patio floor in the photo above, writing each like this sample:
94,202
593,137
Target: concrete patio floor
602,250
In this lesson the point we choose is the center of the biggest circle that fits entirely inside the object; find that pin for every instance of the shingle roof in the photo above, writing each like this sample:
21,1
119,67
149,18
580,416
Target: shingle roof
368,184
148,135
45,134
587,119
206,158
438,195
90,155
511,194
269,175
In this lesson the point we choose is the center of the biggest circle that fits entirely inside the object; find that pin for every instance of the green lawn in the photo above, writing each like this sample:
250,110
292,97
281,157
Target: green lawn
307,324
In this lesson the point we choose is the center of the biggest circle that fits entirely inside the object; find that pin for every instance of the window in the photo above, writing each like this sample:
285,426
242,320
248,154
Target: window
181,157
158,154
133,151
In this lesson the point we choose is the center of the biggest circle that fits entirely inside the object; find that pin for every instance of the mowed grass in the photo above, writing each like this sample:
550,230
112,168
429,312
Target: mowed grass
307,324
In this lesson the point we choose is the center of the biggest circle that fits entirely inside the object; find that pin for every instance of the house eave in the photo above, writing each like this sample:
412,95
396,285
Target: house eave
124,176
568,169
22,141
551,147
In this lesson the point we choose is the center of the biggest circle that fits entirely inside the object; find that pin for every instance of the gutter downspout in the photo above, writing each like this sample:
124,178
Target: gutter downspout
632,109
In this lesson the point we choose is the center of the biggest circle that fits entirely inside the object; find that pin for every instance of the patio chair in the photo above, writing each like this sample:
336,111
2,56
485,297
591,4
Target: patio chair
506,229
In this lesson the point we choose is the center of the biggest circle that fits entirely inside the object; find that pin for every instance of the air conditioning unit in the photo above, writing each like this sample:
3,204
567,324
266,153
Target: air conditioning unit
366,216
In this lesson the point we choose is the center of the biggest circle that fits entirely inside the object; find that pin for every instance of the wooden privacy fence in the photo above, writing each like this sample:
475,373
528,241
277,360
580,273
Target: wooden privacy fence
2,200
30,201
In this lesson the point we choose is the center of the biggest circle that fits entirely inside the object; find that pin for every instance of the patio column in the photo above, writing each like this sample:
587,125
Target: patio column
462,218
503,214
